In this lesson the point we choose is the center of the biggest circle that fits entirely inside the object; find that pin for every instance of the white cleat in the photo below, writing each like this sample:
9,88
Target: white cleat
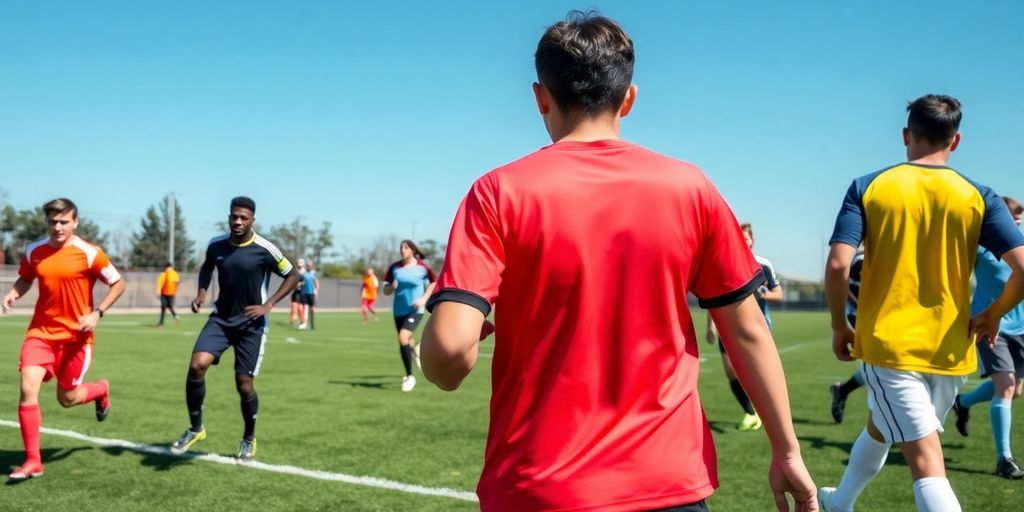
408,382
826,500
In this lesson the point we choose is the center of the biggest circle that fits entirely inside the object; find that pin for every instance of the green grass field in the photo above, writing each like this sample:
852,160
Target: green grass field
330,401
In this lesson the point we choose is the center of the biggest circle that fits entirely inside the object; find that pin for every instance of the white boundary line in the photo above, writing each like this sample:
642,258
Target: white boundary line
367,481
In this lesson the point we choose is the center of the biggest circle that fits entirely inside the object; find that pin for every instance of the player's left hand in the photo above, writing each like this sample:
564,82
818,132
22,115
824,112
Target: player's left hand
87,323
984,329
419,303
788,475
257,311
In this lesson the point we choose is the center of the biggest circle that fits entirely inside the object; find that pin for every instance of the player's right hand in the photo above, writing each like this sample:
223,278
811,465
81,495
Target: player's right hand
9,301
196,304
842,343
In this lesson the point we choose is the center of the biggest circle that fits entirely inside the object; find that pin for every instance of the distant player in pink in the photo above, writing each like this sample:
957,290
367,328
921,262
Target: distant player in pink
60,336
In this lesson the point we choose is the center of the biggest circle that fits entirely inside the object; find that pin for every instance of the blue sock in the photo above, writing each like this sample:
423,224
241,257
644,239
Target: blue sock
982,393
1000,413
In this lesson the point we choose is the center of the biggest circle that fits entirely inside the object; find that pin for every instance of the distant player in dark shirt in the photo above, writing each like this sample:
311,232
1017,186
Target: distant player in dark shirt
244,261
841,390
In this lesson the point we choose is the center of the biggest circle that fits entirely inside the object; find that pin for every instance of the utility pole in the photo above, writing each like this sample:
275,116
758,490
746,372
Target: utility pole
171,209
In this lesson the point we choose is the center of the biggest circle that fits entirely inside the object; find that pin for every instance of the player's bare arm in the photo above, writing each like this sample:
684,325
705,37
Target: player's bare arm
422,301
837,288
752,351
20,288
260,310
205,278
773,295
87,323
450,343
985,325
712,333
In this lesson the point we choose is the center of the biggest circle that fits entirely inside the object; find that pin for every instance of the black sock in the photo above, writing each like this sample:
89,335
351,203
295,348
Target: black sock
312,325
847,387
195,393
406,351
741,396
249,409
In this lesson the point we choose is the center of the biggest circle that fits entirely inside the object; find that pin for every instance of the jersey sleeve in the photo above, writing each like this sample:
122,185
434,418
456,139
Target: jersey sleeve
999,233
103,269
430,276
278,261
772,281
849,228
475,258
25,269
727,272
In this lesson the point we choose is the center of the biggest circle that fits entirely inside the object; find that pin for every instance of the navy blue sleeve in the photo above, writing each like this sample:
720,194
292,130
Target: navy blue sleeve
849,227
999,233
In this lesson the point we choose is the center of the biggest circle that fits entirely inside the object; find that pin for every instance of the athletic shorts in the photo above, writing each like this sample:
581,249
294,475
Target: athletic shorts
368,303
167,301
248,342
297,296
1006,357
853,320
907,406
68,361
408,322
309,299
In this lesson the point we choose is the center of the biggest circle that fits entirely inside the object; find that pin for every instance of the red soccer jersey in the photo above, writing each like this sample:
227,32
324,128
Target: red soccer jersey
588,251
66,277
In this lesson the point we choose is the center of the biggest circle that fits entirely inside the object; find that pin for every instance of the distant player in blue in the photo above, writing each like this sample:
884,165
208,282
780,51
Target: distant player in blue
771,290
1002,360
412,282
841,390
309,285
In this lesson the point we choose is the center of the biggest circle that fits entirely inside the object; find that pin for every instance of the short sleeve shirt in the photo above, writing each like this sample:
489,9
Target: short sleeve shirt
411,282
243,276
588,252
991,275
66,277
921,226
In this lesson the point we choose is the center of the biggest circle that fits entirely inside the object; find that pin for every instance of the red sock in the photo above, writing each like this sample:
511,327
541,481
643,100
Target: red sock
94,390
30,418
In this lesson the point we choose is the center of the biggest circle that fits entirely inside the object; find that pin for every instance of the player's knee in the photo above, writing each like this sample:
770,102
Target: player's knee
66,398
245,387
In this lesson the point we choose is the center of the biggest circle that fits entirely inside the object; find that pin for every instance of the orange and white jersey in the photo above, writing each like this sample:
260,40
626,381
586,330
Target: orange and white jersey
66,278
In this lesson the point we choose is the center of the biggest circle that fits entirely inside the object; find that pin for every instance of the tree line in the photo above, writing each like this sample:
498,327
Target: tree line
147,247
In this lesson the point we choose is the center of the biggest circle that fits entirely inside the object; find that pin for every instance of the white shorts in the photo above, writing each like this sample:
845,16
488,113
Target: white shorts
907,406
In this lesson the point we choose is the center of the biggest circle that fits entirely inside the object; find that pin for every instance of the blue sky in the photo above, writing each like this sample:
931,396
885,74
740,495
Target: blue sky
378,115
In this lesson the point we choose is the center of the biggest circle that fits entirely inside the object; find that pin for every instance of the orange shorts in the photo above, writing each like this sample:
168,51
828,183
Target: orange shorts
67,361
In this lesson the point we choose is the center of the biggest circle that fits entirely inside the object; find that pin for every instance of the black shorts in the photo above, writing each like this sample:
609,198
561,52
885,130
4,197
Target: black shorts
309,299
1006,357
297,296
853,320
721,348
408,322
167,301
248,341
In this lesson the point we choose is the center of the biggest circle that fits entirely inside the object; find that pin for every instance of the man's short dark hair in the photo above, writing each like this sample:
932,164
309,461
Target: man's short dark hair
585,62
243,202
60,205
168,265
934,118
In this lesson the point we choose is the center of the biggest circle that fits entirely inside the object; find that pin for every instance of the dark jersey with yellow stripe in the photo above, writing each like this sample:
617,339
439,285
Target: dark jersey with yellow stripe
243,275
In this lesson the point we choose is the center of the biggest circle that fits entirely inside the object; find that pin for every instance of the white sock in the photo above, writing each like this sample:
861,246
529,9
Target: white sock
934,494
866,459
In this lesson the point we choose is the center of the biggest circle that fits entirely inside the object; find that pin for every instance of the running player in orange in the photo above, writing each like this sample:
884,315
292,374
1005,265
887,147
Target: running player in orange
370,285
60,337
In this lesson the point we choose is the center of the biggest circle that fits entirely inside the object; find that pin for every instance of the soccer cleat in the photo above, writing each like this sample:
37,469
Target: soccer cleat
103,403
246,451
27,470
302,327
408,383
749,422
416,355
1009,469
838,402
963,417
825,499
187,441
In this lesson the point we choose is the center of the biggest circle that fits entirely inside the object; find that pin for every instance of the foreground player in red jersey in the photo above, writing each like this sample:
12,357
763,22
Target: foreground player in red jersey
595,365
60,337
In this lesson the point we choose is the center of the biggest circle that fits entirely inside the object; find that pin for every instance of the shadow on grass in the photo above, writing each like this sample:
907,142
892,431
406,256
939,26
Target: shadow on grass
370,382
12,459
157,461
